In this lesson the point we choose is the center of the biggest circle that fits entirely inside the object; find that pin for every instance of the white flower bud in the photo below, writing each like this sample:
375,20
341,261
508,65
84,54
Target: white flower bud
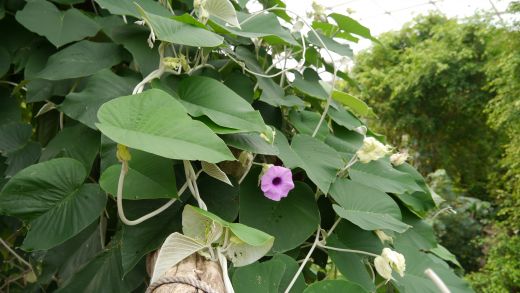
383,268
372,150
399,158
390,261
395,259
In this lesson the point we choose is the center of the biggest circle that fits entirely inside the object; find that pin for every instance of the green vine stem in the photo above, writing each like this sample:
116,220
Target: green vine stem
119,199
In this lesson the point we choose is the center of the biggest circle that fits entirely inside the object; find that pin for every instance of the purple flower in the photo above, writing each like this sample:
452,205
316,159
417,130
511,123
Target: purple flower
277,182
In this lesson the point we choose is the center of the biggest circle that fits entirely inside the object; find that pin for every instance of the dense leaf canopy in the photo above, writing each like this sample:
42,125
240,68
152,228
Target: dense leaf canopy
132,126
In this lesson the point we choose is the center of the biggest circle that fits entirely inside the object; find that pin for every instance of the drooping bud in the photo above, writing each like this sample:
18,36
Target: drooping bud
122,153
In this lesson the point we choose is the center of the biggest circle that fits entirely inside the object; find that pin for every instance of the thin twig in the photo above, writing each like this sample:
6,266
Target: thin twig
16,254
347,250
120,211
305,260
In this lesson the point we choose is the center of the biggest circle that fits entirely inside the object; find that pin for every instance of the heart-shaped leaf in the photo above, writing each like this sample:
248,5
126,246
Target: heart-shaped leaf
368,208
81,59
155,122
207,96
320,161
52,197
77,142
173,31
381,175
59,27
148,176
99,88
128,7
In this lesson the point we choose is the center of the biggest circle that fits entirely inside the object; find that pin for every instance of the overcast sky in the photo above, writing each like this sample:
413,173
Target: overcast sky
384,15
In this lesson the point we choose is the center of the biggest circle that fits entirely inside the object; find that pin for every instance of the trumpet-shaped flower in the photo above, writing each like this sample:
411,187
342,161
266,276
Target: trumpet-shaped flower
372,150
276,182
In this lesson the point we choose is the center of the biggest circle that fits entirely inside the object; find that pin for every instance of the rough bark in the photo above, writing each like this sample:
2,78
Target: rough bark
194,266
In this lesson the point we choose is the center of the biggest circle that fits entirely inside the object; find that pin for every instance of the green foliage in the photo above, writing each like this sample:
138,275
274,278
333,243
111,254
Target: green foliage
502,270
427,84
449,89
119,118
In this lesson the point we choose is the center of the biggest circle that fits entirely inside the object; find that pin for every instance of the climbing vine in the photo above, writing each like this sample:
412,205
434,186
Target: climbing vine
132,128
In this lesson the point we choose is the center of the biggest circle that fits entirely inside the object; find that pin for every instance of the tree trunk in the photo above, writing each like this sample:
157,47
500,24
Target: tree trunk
195,267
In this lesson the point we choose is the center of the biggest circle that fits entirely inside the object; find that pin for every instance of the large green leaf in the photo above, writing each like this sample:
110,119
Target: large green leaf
128,7
146,59
52,196
381,175
330,44
306,121
148,177
272,93
344,141
173,31
99,89
221,198
81,59
67,258
257,26
206,96
419,202
103,274
78,142
353,103
40,89
366,207
9,107
320,162
350,25
251,142
155,122
344,118
334,286
420,236
17,147
351,266
291,267
309,84
291,220
259,277
59,27
37,58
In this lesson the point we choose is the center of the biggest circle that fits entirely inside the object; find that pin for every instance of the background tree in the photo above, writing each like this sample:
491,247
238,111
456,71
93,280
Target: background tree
427,82
449,90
